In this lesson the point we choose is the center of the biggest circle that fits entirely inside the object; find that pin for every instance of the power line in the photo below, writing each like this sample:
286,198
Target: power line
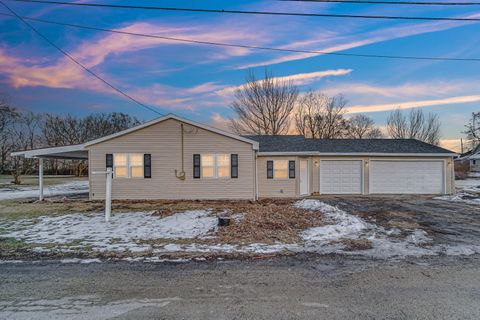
220,44
77,62
325,15
420,3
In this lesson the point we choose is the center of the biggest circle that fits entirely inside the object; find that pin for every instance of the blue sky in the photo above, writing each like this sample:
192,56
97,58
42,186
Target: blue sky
196,80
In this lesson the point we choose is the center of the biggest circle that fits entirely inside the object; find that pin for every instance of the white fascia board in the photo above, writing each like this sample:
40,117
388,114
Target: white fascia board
255,144
48,151
315,153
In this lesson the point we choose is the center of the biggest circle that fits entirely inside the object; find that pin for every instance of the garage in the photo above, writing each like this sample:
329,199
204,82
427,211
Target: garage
341,176
404,176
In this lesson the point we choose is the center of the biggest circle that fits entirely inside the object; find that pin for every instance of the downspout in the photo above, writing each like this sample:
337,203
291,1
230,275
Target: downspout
181,176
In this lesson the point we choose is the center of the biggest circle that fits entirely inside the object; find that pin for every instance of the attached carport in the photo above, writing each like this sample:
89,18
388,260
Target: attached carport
74,152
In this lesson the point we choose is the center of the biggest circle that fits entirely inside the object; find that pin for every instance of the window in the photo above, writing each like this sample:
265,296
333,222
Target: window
215,165
208,165
136,165
128,165
280,169
223,165
120,165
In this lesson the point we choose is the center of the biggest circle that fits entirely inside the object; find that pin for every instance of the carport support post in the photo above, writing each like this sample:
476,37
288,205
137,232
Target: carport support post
108,195
40,179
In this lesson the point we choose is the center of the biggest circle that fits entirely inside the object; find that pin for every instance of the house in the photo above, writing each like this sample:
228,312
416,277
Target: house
175,158
469,160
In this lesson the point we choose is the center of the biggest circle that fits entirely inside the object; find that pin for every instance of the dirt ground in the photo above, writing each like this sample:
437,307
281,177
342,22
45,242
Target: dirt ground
444,221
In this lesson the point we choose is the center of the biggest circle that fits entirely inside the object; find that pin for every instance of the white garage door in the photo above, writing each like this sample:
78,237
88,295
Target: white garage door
420,177
341,176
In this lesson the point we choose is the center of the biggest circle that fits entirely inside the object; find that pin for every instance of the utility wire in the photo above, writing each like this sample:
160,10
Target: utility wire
325,15
77,62
419,3
220,44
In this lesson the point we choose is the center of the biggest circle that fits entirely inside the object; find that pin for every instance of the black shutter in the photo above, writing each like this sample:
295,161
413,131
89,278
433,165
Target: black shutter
109,160
147,165
269,169
234,165
196,166
291,169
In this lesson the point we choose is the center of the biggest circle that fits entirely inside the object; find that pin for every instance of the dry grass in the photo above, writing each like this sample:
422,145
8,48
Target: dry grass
269,221
356,244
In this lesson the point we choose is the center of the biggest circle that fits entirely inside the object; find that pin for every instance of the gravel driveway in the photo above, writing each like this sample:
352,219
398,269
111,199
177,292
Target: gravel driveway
453,223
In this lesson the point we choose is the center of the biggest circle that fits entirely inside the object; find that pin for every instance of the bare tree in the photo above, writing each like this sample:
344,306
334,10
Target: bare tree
67,130
361,127
473,129
24,136
321,117
8,116
415,125
263,106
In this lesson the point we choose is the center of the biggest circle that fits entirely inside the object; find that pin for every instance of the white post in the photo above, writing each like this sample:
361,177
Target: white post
40,179
108,195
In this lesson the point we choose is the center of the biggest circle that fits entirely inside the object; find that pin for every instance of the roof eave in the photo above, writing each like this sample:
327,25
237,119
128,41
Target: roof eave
317,153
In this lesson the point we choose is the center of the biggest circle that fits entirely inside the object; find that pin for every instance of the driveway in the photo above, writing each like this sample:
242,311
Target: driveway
301,287
446,222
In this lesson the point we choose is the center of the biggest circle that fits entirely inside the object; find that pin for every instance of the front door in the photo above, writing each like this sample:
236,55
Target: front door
304,177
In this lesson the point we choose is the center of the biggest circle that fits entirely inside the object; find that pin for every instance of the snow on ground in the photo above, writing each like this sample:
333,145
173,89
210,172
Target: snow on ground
468,191
125,232
72,187
79,230
345,226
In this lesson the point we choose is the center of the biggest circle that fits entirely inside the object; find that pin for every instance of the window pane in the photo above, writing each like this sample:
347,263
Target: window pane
281,174
223,172
136,159
223,160
120,159
207,172
136,172
120,172
208,160
280,168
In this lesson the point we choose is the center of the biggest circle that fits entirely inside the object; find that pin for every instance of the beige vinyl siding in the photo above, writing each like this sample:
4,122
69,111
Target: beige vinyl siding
448,162
276,188
163,142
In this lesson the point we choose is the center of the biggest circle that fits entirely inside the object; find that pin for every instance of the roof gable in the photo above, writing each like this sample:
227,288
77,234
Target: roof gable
254,143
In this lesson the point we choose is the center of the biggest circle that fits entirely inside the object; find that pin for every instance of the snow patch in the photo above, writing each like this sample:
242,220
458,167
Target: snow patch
345,226
468,191
73,187
119,235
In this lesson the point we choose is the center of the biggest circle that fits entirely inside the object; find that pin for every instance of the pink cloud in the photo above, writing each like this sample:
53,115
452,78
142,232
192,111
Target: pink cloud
413,104
63,73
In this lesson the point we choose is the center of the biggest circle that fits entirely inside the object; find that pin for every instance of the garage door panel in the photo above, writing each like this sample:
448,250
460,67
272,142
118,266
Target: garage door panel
412,177
341,176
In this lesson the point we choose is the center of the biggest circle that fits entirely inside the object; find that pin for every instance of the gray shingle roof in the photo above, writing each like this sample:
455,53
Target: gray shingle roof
296,143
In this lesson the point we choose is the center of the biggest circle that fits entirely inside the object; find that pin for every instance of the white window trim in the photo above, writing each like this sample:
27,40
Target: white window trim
127,166
288,171
215,166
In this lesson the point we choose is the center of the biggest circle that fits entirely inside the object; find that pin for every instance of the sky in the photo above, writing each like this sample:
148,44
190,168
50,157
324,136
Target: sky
197,81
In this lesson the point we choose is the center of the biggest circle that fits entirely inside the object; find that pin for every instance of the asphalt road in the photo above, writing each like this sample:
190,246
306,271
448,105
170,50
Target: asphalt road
302,287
